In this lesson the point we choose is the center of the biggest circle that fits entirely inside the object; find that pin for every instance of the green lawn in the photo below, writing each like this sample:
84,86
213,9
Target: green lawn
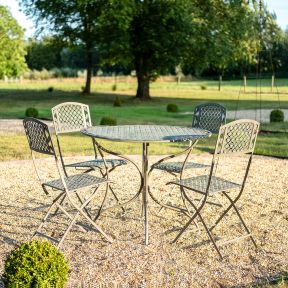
16,97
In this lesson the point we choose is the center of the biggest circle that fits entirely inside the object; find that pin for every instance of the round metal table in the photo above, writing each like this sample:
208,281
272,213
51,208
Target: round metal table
145,134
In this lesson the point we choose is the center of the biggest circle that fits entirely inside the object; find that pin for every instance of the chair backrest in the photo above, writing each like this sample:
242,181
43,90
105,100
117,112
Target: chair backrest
38,136
39,140
237,137
209,116
71,117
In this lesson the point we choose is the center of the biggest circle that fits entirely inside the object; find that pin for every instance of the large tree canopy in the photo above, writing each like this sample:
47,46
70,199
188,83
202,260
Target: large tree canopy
227,34
44,53
12,51
74,21
155,36
149,35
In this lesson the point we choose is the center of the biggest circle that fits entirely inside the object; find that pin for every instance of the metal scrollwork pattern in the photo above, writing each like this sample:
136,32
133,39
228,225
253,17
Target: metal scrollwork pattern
38,136
237,137
71,117
209,116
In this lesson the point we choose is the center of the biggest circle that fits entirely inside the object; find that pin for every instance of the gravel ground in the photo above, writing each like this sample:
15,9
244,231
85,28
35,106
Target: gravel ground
191,262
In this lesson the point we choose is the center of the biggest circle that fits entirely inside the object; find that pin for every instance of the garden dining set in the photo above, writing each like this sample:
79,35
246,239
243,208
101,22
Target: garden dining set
237,137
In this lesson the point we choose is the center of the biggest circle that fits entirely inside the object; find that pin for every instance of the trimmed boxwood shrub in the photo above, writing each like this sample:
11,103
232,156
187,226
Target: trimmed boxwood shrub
172,108
31,112
114,87
108,121
36,264
277,115
117,102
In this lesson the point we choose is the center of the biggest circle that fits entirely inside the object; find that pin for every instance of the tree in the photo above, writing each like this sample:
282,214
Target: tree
148,35
12,51
74,21
226,34
43,54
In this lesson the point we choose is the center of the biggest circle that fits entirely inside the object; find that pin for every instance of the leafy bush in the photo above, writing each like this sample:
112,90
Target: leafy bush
203,87
277,115
36,264
114,87
31,112
50,89
117,102
108,121
172,108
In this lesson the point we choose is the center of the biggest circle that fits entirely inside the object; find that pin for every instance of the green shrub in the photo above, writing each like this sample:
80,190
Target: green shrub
277,115
36,264
172,108
114,87
203,87
50,89
31,112
117,102
108,121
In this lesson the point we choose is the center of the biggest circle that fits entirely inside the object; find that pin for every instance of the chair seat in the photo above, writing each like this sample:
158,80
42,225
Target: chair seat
176,167
200,183
98,163
75,182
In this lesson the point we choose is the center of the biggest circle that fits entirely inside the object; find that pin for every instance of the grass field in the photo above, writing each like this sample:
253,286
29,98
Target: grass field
16,97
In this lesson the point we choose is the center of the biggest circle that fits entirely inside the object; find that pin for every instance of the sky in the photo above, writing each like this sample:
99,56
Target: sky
280,7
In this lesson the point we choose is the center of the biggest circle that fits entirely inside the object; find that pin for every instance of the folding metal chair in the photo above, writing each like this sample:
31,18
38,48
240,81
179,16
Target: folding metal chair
71,117
208,116
238,137
39,140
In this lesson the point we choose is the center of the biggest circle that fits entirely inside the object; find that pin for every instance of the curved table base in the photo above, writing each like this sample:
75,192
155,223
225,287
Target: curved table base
144,184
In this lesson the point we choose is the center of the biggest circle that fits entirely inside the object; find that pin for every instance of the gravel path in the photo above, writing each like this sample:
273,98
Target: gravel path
15,126
262,115
191,262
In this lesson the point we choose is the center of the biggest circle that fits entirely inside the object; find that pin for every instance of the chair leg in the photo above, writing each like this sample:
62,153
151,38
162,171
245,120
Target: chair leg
115,196
85,203
210,236
241,219
221,217
46,215
61,202
109,239
81,201
186,226
102,204
68,229
70,217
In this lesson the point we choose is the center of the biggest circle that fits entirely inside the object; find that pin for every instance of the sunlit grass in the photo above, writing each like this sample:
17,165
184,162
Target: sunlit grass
16,146
16,97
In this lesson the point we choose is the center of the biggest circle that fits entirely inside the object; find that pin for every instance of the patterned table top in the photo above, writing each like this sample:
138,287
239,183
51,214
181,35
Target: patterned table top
146,133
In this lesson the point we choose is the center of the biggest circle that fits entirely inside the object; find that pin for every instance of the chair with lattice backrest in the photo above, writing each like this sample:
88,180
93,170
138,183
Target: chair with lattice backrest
208,116
39,140
237,137
71,117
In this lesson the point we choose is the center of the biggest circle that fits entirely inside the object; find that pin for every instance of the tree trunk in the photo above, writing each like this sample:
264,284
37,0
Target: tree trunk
143,92
89,63
220,83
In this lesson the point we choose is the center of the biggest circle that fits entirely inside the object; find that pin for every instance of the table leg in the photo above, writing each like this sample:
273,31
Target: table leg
145,189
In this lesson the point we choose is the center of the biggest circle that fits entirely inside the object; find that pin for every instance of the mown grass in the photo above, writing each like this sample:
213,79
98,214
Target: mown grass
16,97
